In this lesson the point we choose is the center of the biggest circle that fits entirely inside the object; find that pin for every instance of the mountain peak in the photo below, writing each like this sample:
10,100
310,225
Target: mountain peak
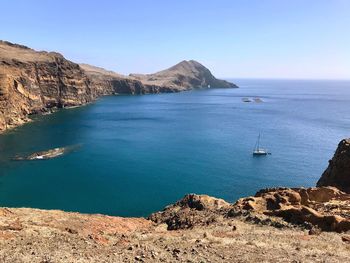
187,64
184,75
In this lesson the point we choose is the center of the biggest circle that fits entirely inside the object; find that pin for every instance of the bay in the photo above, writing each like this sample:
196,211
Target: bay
141,153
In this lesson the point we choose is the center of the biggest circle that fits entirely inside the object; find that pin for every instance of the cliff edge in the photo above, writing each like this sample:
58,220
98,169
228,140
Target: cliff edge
33,82
338,171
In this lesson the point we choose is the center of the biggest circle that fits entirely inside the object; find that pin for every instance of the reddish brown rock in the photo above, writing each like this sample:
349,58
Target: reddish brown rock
346,239
192,210
33,82
325,207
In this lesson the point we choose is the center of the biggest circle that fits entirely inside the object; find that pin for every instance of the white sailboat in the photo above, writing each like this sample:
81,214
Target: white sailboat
259,151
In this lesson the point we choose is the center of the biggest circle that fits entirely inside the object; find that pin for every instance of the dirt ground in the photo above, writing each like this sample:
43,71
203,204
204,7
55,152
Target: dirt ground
31,235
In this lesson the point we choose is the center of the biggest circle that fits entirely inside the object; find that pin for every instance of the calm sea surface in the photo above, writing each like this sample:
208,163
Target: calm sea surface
140,153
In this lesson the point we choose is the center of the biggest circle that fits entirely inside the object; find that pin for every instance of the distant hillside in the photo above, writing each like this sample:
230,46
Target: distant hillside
185,75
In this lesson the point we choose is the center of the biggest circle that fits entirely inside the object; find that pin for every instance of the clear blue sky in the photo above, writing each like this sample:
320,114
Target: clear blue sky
243,38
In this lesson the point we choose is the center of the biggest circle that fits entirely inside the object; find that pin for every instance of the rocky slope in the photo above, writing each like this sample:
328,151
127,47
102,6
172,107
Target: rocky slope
275,225
338,172
35,82
109,82
184,75
198,228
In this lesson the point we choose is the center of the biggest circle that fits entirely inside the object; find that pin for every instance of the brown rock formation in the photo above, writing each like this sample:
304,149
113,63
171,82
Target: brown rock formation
338,171
109,82
32,82
184,75
325,207
192,210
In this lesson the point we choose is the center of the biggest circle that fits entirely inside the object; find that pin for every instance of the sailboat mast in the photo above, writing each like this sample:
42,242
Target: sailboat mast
259,142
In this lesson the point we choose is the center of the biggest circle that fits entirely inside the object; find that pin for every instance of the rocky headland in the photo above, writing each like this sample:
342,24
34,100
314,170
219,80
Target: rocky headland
34,82
275,225
183,76
338,171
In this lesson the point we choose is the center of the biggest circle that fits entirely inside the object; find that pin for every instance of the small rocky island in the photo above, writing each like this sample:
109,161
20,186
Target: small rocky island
33,82
275,225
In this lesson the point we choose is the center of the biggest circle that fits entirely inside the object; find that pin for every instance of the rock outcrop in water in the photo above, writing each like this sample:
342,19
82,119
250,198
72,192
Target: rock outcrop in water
275,225
36,82
338,171
48,154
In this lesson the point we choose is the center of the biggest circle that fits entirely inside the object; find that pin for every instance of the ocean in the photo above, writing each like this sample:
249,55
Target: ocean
141,153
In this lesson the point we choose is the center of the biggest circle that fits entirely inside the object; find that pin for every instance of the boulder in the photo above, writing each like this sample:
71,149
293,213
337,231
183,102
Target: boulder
325,207
192,210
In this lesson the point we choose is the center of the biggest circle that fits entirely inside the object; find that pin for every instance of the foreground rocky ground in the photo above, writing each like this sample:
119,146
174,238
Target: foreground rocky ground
198,228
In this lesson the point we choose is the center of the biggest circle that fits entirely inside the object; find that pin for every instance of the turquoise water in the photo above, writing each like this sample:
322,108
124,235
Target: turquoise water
140,153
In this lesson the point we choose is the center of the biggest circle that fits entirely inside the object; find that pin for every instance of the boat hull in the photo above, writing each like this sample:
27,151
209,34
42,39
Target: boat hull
259,153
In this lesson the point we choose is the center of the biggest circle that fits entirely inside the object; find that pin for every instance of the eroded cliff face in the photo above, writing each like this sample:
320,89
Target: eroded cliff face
109,82
33,82
338,171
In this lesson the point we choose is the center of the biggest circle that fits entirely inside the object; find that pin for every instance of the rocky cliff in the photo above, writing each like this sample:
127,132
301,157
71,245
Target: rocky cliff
34,82
109,82
184,75
338,171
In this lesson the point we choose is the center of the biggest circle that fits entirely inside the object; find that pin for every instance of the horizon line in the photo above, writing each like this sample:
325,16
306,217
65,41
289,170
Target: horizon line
282,78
